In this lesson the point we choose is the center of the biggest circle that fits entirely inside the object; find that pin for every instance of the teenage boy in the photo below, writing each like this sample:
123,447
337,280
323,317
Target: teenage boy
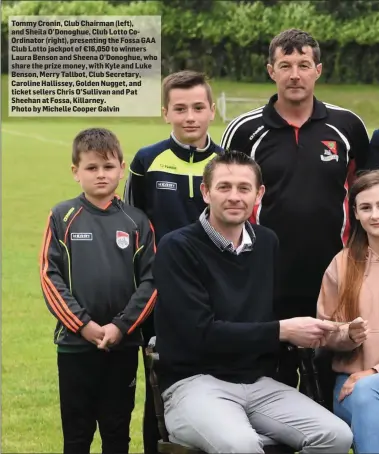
96,278
165,178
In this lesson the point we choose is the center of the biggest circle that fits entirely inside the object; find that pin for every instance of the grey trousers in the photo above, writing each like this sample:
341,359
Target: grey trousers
221,417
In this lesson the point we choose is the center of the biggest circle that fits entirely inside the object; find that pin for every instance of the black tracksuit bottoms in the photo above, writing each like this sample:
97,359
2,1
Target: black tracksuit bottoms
97,387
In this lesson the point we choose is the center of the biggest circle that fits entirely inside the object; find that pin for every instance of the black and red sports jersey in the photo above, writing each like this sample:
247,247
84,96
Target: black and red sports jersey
307,172
96,264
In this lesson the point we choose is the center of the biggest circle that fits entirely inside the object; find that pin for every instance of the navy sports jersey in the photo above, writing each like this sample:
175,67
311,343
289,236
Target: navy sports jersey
164,182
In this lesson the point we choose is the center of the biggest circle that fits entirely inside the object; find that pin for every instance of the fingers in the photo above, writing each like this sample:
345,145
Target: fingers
345,391
327,326
359,338
103,344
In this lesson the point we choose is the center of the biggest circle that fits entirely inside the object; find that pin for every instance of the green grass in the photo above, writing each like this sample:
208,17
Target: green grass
35,176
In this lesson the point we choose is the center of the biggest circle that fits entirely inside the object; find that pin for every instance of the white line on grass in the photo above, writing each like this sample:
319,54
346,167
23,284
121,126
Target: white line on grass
36,137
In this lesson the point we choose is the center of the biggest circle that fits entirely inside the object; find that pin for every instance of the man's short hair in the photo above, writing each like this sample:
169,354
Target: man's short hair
100,140
184,79
231,157
294,39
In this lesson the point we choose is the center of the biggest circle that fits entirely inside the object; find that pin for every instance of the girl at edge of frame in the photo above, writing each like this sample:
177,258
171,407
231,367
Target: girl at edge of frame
350,291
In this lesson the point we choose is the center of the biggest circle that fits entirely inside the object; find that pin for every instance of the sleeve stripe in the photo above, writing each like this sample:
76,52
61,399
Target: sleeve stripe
145,313
135,173
57,310
152,229
150,304
52,295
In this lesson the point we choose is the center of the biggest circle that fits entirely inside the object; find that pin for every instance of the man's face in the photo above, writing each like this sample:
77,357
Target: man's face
190,114
98,178
232,194
295,75
367,210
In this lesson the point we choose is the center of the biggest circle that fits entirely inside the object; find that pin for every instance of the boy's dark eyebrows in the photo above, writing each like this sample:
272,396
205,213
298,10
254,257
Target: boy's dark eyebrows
180,104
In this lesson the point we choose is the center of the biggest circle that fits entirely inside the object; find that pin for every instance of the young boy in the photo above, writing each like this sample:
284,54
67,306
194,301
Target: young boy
164,180
96,279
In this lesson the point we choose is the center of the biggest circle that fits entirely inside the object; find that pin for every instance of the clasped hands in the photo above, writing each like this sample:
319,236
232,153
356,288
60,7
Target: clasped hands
357,331
103,336
309,332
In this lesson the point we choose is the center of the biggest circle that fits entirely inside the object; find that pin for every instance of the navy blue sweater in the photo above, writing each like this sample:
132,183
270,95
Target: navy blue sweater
214,313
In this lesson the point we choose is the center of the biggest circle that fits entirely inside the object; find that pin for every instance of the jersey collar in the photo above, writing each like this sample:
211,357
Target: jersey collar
274,120
189,153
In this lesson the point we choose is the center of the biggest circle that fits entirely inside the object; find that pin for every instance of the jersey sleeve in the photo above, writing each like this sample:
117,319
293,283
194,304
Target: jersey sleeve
236,137
56,291
135,186
374,150
142,302
359,144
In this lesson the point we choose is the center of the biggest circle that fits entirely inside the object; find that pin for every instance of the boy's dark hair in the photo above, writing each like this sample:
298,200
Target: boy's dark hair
291,40
184,79
100,140
231,157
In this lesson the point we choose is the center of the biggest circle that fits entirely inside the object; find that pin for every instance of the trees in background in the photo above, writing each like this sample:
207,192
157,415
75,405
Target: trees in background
231,38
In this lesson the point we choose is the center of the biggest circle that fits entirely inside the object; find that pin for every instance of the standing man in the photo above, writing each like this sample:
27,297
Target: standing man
308,151
165,178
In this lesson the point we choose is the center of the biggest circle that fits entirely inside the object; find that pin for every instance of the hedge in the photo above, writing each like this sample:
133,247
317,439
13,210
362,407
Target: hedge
230,39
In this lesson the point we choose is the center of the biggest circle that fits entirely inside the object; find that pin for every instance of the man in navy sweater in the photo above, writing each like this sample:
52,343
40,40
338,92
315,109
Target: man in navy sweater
216,334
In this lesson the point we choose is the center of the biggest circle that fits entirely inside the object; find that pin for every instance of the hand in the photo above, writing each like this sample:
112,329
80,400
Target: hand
112,336
93,333
349,384
307,332
358,330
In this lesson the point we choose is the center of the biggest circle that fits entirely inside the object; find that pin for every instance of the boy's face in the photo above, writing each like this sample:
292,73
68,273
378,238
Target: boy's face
98,178
190,114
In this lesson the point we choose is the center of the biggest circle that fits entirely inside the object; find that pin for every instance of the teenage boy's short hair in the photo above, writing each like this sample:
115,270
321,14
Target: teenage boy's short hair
184,79
100,140
291,40
231,157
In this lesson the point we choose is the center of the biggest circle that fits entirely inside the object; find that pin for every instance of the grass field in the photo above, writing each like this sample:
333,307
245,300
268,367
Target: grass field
35,175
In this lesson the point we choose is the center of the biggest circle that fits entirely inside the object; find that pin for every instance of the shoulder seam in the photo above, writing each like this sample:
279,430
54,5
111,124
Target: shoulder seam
334,107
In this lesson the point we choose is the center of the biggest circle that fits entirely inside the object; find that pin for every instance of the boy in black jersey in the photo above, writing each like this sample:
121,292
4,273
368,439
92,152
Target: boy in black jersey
95,271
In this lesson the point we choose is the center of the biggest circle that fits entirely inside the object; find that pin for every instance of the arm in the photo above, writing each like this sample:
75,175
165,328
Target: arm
143,299
184,301
374,150
58,296
327,304
134,192
362,156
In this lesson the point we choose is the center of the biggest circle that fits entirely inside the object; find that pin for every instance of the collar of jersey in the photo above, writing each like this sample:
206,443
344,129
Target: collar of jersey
111,208
185,152
272,118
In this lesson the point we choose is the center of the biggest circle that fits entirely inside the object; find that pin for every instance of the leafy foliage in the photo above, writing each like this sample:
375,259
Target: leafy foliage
231,38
